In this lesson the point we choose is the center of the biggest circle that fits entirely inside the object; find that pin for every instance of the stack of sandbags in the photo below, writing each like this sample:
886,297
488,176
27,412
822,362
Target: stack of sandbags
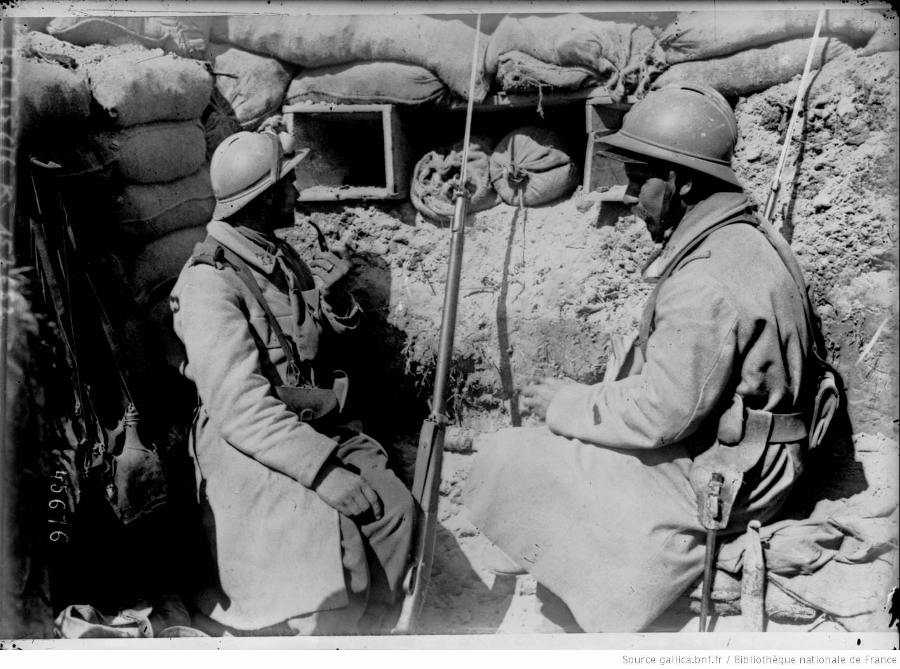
573,51
442,48
134,176
52,93
742,52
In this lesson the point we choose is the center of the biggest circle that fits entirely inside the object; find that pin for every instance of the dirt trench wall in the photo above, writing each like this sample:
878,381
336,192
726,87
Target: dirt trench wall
544,289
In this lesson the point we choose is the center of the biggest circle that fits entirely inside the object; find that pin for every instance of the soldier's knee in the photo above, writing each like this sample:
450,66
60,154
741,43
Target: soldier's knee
400,510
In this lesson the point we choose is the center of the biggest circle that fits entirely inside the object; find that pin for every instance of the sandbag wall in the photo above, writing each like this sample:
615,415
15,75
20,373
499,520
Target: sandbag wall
124,124
138,90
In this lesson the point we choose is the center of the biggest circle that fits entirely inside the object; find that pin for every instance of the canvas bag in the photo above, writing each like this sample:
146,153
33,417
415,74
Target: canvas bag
530,163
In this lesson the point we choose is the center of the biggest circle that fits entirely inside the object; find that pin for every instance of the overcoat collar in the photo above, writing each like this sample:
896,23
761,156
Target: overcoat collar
716,208
248,250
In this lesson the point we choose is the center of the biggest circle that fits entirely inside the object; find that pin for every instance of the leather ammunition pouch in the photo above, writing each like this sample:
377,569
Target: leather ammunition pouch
741,440
316,404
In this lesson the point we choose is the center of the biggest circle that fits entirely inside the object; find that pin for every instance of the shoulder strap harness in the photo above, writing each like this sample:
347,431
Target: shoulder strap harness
309,403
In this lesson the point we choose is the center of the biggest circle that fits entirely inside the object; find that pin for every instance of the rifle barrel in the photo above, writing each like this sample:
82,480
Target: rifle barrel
801,93
448,319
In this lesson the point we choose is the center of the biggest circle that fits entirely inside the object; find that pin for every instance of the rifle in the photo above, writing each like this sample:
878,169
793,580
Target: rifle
430,453
713,517
801,93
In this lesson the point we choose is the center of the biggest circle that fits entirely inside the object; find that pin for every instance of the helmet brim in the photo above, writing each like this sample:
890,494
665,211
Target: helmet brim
623,148
226,208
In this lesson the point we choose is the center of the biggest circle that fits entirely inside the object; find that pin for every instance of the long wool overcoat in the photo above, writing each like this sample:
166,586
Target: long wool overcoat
598,504
275,544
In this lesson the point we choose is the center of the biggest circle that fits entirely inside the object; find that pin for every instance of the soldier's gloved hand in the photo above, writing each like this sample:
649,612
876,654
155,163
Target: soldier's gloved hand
346,492
536,397
330,271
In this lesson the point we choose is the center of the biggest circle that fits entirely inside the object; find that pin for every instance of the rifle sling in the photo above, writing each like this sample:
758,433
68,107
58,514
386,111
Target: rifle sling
243,272
788,261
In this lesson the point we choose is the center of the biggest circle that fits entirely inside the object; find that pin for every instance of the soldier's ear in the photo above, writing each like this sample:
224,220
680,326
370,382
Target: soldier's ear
685,188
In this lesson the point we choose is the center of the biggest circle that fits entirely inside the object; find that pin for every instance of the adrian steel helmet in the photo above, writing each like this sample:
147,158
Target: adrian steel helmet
245,165
684,123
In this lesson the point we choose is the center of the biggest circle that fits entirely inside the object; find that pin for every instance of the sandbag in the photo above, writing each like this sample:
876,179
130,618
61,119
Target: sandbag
435,175
709,34
624,57
143,213
886,38
184,35
218,124
50,93
532,161
440,46
146,86
155,152
253,86
517,71
368,83
160,261
755,70
34,23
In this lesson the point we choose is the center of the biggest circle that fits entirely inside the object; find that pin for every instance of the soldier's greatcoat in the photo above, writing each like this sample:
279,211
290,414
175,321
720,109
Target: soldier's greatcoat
275,543
598,504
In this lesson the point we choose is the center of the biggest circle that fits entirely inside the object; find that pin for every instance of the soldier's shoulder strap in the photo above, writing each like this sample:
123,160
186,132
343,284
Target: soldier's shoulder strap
650,310
212,252
208,252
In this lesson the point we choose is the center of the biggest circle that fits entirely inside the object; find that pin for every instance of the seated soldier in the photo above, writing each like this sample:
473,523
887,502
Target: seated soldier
308,530
601,504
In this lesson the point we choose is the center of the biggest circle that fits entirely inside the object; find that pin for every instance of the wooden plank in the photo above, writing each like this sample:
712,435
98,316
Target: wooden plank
336,193
327,108
393,149
597,96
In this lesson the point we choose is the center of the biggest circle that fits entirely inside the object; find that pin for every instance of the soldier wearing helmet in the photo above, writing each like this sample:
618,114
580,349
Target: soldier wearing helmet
604,504
307,529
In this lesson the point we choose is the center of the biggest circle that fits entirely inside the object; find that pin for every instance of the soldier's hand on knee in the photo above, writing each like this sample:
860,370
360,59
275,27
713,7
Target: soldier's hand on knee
346,492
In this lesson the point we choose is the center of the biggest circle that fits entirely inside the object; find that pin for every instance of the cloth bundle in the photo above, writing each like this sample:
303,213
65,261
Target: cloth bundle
437,173
164,618
530,163
622,57
839,561
519,72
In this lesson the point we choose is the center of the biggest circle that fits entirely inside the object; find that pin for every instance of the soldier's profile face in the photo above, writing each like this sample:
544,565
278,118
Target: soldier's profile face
646,194
284,197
